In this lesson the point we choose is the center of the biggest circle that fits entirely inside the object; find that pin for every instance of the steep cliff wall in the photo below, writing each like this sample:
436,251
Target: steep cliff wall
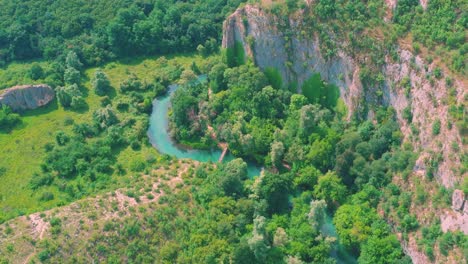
297,56
27,96
408,85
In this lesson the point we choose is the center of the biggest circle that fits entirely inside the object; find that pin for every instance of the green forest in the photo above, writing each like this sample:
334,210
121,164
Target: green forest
332,184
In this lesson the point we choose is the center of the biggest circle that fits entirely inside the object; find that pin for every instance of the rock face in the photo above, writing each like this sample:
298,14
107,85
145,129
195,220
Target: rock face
458,199
26,97
270,49
287,46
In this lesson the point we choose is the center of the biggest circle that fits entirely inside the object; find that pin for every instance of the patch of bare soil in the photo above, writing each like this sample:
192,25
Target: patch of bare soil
80,218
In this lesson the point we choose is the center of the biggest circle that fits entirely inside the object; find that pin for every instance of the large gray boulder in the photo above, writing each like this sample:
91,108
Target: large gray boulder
24,97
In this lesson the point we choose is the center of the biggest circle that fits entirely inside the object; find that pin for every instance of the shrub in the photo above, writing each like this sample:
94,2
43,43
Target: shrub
409,223
78,103
131,84
436,127
105,117
407,114
71,76
101,83
8,119
137,166
36,72
40,180
66,94
43,255
68,121
438,73
61,138
55,221
46,196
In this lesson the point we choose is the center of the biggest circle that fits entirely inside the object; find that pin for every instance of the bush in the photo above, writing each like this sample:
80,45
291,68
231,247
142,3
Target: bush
137,166
66,94
8,119
43,255
131,84
55,221
71,76
438,73
436,127
36,72
101,83
46,196
78,103
407,114
40,180
105,117
409,223
61,138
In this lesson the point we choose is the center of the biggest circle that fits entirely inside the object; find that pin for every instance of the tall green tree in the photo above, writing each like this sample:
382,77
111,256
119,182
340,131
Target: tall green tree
231,177
72,61
331,189
101,83
259,242
65,94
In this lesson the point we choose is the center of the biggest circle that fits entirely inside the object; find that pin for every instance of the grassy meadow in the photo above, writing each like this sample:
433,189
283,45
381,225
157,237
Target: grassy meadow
22,149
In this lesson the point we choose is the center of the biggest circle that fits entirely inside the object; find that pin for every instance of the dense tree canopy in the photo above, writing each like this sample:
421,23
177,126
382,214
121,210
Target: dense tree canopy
101,30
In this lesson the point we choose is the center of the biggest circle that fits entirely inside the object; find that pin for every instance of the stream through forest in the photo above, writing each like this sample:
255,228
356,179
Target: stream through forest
160,138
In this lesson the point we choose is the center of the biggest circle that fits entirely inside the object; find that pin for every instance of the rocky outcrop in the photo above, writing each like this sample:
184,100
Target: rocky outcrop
288,46
456,219
291,48
26,97
297,59
458,199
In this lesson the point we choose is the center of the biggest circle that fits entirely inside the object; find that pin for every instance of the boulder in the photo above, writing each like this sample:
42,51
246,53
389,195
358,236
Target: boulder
458,199
24,97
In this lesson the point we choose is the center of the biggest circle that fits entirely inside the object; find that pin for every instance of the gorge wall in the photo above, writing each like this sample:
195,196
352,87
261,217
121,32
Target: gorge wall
26,97
295,53
300,57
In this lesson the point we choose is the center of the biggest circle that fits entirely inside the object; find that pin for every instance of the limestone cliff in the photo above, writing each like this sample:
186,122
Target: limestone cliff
299,57
27,96
284,44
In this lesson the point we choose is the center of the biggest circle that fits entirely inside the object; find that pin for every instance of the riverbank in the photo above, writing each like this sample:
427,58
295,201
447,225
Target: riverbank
161,139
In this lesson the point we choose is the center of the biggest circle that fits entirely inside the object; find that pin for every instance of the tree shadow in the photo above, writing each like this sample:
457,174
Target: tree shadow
52,106
7,130
111,92
83,109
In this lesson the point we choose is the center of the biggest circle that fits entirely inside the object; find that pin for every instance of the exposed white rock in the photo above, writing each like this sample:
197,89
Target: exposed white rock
301,57
25,97
458,199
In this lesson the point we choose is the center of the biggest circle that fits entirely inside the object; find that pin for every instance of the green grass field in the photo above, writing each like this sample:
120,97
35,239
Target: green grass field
22,150
17,73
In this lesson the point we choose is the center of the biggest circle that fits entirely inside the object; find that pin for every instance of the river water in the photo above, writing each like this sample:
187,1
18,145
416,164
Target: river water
160,138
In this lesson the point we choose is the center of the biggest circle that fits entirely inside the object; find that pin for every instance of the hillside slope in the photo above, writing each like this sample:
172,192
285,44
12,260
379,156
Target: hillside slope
294,48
